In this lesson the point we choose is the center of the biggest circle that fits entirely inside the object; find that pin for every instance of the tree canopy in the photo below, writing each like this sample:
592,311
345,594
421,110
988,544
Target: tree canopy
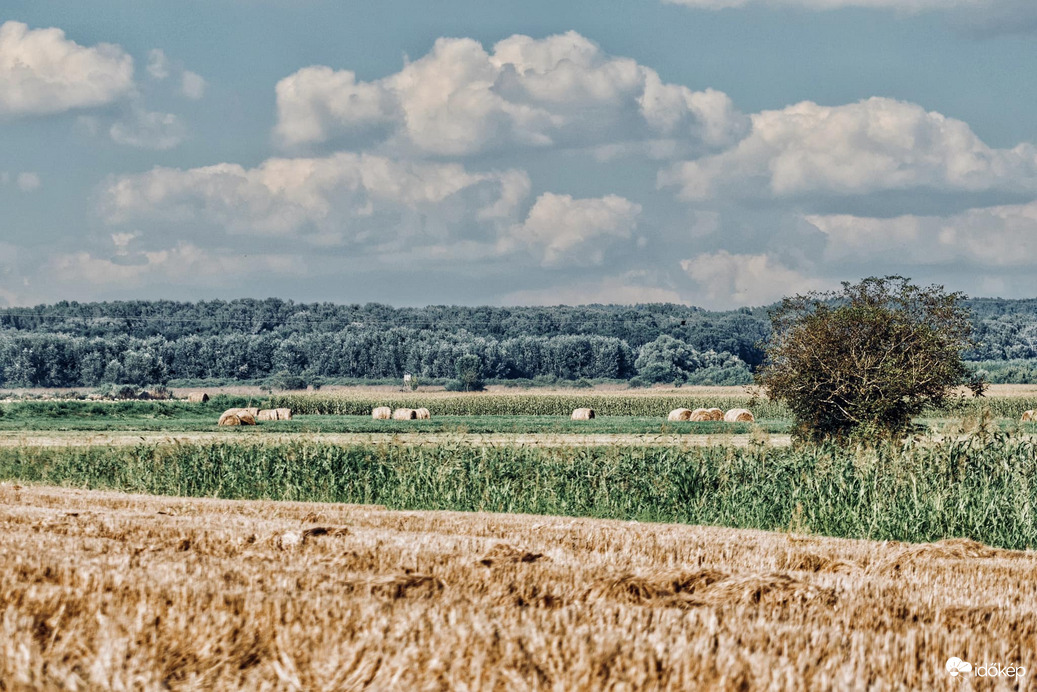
868,357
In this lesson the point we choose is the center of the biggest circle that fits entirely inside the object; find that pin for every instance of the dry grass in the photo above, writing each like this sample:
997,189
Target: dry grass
110,591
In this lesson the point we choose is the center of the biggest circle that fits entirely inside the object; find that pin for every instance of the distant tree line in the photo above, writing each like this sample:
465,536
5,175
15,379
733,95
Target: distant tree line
59,360
738,331
151,342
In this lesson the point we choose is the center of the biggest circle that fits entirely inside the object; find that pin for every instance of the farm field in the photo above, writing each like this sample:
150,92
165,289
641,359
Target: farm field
176,417
530,412
113,591
507,547
980,487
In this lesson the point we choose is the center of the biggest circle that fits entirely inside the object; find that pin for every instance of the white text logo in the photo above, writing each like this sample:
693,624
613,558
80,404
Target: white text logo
955,666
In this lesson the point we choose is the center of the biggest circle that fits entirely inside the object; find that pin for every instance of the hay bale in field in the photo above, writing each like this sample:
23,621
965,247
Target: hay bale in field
423,414
679,414
242,416
283,413
583,414
197,397
1029,416
267,414
699,415
381,413
404,414
739,415
715,414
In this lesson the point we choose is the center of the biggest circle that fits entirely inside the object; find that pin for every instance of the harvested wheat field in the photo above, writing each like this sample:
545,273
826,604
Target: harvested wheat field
112,591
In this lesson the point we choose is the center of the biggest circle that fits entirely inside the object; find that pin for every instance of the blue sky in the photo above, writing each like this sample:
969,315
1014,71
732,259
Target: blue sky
710,152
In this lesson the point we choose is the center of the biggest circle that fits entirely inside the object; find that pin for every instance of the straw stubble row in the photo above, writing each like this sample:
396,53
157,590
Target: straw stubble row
113,591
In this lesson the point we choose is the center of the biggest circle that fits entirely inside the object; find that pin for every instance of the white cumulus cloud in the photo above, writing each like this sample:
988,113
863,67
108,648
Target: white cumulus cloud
27,182
158,64
192,85
42,72
148,130
873,145
562,231
207,266
728,280
459,99
1001,236
341,199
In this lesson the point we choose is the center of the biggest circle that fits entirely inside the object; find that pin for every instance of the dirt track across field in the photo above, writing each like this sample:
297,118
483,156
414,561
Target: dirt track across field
111,591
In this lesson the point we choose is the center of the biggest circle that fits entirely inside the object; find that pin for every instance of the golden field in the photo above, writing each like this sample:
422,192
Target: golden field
112,591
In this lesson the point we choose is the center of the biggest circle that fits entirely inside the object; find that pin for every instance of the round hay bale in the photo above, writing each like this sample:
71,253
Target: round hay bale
583,414
230,419
404,414
283,413
267,414
739,415
679,414
244,416
715,414
1029,416
423,414
699,415
381,413
197,397
228,414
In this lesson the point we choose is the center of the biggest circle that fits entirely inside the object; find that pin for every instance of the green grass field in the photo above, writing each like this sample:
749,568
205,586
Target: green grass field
527,413
206,422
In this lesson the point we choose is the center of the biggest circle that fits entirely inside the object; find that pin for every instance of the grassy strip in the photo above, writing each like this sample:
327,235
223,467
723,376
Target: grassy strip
472,404
984,489
113,410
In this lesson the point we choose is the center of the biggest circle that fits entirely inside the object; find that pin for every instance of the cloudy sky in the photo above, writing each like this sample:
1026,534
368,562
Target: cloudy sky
712,152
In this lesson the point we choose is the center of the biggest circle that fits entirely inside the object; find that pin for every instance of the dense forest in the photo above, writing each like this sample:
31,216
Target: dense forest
152,342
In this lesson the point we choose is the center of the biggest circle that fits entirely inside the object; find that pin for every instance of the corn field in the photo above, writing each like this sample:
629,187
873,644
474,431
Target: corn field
617,404
493,404
984,489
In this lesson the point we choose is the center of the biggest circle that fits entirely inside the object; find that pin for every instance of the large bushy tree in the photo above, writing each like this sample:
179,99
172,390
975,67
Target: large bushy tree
867,358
